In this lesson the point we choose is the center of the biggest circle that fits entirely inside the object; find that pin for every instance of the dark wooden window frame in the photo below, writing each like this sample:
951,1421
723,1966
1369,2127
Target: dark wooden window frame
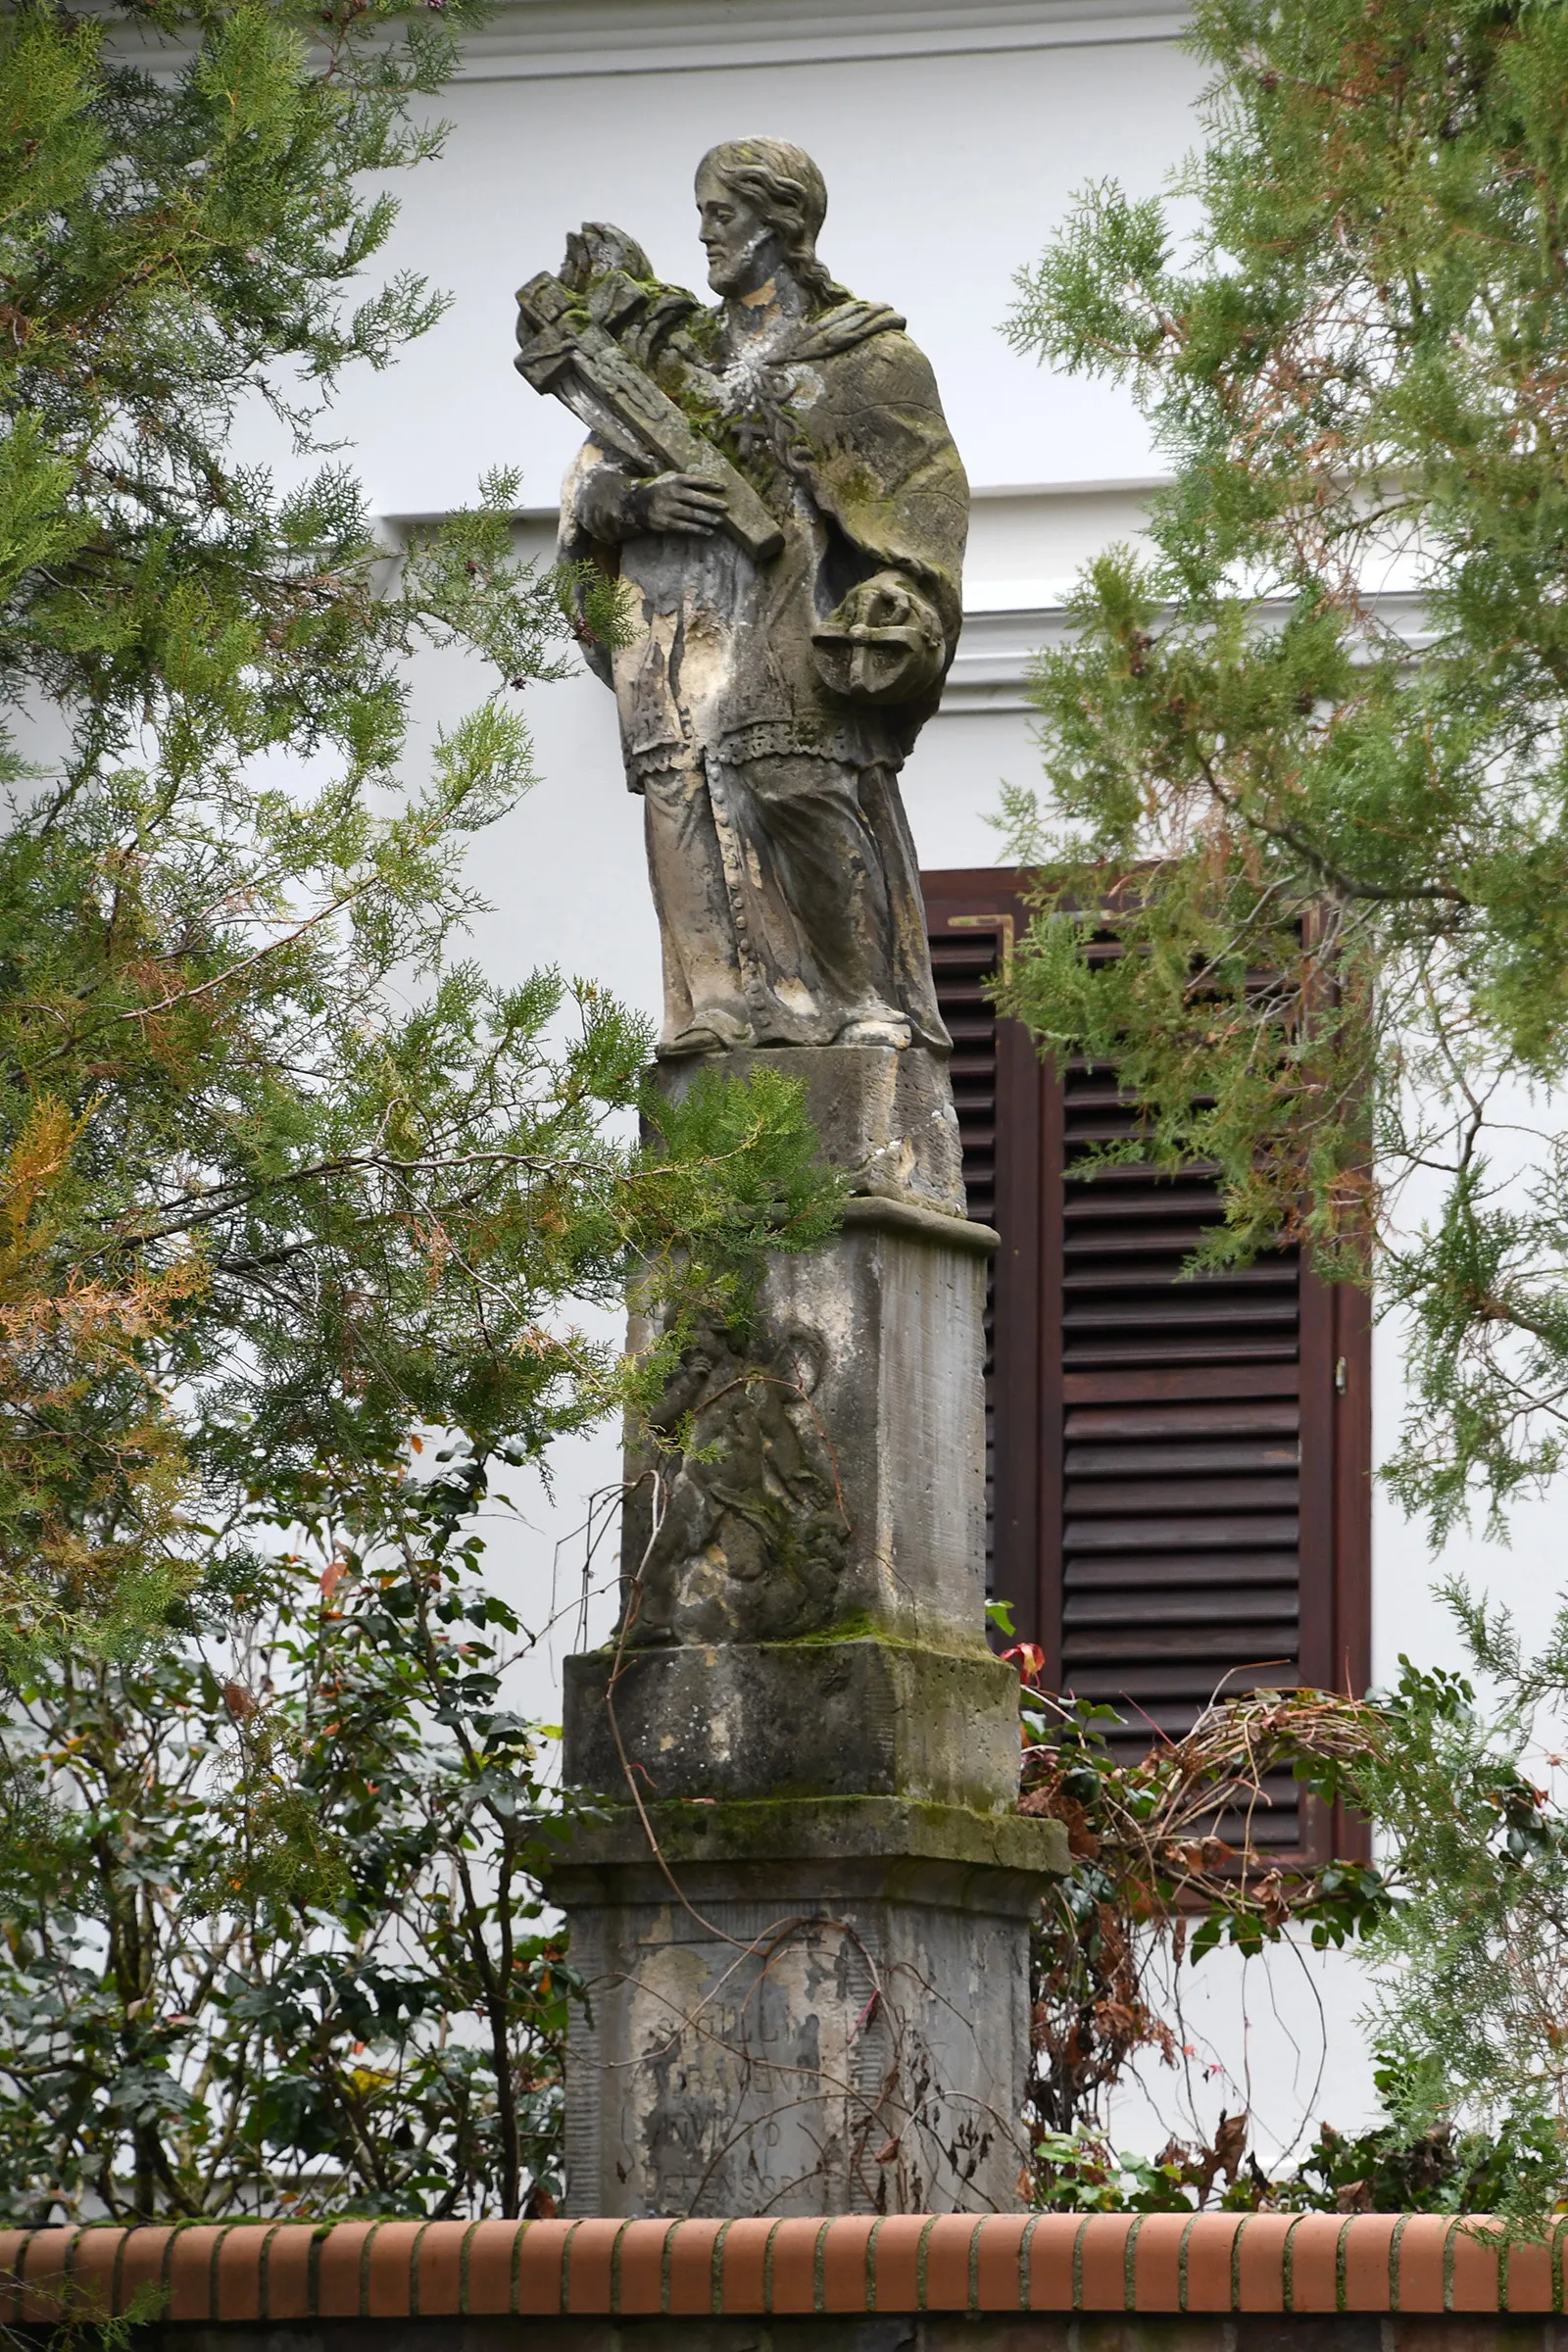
1031,1392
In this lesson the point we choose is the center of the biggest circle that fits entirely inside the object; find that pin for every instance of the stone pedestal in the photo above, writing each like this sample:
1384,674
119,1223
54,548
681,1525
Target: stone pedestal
834,1473
886,1117
802,1914
831,2016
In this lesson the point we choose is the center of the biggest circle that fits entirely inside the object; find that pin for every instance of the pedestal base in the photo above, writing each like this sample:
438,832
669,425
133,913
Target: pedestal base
805,1974
795,1719
829,2016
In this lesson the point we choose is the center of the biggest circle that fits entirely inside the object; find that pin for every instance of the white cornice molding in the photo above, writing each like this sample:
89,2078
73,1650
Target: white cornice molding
1130,486
540,40
999,643
996,651
1119,485
551,40
1007,623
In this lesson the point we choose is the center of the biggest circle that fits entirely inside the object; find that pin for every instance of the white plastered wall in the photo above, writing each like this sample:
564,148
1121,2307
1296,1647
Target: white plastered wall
951,137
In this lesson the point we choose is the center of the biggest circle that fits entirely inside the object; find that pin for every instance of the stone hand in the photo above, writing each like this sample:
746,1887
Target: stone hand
883,644
883,601
675,502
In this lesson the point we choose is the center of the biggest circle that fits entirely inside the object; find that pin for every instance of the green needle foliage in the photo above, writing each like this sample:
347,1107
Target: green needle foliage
282,1177
291,1197
1305,746
1470,1958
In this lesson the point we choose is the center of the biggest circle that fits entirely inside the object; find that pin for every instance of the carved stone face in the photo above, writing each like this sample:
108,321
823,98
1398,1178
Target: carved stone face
743,249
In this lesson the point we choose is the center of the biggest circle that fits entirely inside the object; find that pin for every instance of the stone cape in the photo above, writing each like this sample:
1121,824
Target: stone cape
877,454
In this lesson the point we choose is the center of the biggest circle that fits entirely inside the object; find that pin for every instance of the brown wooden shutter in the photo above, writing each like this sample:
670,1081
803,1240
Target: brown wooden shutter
998,1089
1180,1469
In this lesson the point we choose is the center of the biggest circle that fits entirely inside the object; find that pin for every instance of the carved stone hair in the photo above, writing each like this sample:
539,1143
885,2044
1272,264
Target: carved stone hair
783,184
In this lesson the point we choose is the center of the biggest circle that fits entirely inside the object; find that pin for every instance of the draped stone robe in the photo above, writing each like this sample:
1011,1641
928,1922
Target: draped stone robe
782,866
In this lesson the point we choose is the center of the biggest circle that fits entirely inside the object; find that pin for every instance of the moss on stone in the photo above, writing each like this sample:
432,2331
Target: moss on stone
763,1830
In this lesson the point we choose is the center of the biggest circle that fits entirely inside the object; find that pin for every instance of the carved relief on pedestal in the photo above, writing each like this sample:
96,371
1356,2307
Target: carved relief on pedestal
736,1529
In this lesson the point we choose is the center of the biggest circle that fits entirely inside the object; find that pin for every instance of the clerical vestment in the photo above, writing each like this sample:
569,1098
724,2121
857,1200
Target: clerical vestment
783,864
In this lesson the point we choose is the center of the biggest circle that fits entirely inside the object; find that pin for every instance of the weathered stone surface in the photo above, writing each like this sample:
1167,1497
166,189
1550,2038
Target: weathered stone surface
775,484
831,2016
799,2036
830,2013
884,1117
971,1847
807,1978
797,1719
833,1470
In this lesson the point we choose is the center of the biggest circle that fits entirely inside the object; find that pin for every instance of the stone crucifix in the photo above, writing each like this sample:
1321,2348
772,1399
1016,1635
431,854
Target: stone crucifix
775,482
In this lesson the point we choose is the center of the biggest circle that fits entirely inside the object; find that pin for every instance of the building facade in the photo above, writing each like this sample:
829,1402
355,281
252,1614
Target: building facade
1182,1485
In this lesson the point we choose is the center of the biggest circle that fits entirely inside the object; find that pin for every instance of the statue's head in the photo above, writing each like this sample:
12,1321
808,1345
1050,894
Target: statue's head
761,203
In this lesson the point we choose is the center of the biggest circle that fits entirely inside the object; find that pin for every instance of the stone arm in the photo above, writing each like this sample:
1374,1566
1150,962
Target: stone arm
563,350
617,503
604,502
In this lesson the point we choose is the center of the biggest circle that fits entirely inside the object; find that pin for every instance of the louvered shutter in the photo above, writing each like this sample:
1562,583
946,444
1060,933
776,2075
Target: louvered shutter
1180,1468
999,1089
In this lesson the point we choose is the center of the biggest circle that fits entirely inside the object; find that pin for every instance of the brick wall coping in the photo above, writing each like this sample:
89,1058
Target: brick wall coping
853,2266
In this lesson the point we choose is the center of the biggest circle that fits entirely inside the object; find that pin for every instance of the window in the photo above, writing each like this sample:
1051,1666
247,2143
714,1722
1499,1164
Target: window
1178,1472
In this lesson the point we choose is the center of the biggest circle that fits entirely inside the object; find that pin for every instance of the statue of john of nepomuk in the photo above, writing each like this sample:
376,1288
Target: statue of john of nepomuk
774,481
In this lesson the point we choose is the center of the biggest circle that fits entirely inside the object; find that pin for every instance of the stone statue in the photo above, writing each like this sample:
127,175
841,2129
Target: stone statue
801,1901
775,483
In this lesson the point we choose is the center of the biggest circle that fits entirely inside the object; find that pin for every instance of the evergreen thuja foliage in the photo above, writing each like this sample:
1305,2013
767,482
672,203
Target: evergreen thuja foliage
291,1194
282,1175
1467,2004
1305,745
1462,1925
